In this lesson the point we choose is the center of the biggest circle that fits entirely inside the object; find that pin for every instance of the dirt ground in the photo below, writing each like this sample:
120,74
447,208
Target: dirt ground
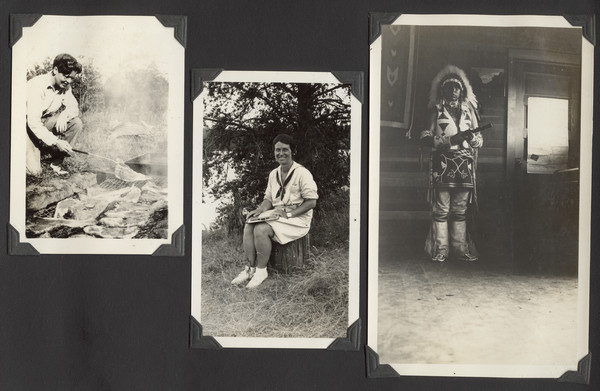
486,312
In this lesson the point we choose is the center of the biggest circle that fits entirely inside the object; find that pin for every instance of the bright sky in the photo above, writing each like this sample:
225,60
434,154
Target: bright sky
116,43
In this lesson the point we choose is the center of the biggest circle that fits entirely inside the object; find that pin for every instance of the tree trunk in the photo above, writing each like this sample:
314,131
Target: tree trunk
287,257
305,124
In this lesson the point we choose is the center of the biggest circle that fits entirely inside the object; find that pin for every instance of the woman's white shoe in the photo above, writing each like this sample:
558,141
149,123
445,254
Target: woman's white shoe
245,275
259,276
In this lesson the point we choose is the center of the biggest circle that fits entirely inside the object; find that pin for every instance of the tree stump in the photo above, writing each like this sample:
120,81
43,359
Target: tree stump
284,258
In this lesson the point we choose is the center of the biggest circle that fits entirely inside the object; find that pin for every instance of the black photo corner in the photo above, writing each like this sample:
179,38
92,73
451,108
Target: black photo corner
112,321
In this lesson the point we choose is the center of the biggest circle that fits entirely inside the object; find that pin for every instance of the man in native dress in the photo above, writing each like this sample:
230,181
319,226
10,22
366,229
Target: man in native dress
452,187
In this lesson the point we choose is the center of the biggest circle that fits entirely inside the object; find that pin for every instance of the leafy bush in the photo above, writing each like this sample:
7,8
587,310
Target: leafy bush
330,225
242,119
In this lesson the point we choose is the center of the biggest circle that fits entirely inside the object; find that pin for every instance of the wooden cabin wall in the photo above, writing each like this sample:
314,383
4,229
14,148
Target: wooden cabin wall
404,165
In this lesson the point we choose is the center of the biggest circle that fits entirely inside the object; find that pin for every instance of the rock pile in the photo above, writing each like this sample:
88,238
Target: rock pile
112,209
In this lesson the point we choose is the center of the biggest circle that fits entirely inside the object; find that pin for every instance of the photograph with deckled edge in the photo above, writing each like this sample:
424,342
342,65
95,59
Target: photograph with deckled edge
254,124
102,131
450,304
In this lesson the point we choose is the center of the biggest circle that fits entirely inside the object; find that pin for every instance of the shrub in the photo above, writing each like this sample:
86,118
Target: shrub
331,221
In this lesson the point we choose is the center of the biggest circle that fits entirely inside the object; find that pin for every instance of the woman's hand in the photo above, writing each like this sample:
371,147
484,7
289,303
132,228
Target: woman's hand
255,212
280,212
265,205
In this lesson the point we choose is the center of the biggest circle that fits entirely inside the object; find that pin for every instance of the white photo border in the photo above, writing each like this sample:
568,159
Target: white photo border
160,38
585,191
354,216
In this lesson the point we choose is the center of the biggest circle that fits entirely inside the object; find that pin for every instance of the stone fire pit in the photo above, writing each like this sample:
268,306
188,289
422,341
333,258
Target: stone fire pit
101,205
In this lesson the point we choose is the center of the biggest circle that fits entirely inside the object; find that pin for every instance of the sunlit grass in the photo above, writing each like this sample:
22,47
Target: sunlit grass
307,303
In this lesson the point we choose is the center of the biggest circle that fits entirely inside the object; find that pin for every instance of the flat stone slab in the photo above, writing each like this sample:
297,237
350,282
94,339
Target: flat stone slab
54,189
111,209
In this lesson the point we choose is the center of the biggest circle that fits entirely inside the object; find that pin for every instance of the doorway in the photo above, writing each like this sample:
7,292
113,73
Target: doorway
542,162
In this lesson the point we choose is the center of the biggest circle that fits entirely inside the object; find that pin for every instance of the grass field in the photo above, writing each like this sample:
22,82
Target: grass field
307,303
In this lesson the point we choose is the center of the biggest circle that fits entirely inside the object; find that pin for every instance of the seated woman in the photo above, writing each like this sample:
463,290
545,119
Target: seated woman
290,196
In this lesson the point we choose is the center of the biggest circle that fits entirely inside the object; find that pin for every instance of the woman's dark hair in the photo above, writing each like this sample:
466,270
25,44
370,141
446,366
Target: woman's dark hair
65,63
285,139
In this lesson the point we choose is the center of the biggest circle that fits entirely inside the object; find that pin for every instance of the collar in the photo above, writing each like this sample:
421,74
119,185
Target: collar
294,165
50,85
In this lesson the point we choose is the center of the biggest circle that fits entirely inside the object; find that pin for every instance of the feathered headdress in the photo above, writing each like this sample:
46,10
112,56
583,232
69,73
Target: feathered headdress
454,74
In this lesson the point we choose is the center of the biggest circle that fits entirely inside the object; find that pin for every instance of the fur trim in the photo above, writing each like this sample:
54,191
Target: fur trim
451,72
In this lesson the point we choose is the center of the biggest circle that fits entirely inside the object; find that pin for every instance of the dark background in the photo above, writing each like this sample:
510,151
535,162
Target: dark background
111,322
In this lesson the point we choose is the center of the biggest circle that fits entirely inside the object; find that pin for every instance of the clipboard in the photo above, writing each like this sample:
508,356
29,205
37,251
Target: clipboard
261,218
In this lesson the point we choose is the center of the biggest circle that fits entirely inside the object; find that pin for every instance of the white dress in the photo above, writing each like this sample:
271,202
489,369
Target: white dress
301,186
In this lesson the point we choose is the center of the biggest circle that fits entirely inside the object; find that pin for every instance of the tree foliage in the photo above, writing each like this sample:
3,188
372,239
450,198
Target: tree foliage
240,122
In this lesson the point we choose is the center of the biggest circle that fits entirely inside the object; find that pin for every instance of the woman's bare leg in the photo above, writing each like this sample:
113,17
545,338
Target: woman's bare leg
262,242
250,252
248,242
